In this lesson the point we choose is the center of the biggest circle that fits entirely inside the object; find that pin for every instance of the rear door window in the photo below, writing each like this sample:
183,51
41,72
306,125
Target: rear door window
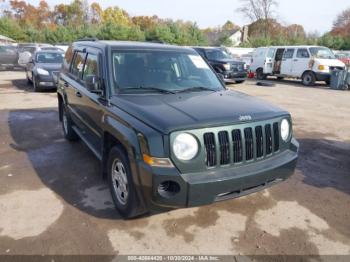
288,54
91,66
78,64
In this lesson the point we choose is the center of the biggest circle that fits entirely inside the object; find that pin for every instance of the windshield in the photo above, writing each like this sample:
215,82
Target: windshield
152,71
217,54
50,57
322,52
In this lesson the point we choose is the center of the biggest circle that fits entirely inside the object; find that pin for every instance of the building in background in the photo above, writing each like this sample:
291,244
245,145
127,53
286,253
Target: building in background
230,38
4,40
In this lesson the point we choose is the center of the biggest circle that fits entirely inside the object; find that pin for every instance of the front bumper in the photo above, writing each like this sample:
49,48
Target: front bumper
232,76
323,76
203,188
45,81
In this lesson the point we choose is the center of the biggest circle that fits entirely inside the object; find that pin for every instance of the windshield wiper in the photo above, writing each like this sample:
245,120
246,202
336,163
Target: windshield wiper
150,88
197,88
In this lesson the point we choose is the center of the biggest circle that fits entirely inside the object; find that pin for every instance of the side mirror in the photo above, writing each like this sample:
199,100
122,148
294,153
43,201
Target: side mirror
93,84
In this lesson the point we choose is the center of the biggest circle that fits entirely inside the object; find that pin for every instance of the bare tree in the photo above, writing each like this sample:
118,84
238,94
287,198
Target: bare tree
343,18
259,11
341,25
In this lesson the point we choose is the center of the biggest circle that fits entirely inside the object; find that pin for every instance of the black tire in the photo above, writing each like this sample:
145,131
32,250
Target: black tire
67,124
260,74
308,79
328,82
28,79
280,78
126,204
239,82
35,84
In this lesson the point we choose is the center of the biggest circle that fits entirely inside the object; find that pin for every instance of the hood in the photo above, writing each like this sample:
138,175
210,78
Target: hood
49,67
173,112
330,62
228,60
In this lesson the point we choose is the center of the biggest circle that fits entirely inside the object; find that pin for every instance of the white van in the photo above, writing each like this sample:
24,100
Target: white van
309,63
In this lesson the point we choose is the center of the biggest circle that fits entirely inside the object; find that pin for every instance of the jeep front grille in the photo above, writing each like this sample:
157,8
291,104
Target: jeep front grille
241,145
224,148
237,146
210,148
249,144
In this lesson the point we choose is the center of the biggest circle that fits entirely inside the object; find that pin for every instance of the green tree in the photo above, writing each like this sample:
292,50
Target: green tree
162,33
10,28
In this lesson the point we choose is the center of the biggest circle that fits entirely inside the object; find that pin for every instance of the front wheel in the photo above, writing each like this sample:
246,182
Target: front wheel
121,183
308,79
28,79
260,74
35,84
239,82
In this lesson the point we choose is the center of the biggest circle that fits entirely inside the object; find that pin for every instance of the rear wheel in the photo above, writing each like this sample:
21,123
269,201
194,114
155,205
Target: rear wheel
308,78
260,74
328,82
67,126
239,82
121,183
280,78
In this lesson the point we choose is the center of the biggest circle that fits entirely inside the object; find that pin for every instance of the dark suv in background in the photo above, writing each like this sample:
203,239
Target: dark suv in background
166,130
231,70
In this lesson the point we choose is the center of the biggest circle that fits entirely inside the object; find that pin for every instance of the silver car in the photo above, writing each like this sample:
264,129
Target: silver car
8,56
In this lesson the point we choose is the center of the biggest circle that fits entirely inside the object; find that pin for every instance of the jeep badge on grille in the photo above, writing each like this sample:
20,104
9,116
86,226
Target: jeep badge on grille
245,118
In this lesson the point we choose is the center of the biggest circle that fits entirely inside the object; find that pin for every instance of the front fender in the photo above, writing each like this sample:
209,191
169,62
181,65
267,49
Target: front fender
125,135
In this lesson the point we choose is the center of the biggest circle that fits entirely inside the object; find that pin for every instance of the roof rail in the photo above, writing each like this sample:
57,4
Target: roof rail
157,41
88,39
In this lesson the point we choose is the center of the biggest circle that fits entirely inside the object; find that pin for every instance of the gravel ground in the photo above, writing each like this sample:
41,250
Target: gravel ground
52,200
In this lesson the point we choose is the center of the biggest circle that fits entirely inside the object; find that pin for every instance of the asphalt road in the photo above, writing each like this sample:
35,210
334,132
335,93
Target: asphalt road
52,200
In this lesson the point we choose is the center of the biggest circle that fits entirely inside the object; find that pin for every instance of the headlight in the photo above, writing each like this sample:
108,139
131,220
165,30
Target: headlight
323,68
185,146
285,130
227,67
42,72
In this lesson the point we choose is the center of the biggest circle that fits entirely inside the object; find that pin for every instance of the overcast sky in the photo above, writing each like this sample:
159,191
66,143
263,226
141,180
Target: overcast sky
314,15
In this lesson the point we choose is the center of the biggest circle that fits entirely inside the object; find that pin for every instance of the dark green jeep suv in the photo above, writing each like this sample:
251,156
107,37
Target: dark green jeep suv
166,130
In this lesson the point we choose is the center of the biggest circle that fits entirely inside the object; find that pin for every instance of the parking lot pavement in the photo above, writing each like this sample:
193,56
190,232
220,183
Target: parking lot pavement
52,200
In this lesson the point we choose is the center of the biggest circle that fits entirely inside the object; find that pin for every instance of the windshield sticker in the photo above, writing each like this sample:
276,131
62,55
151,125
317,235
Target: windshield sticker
198,61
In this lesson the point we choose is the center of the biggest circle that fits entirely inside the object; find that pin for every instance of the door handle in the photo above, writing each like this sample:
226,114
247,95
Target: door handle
65,84
78,94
